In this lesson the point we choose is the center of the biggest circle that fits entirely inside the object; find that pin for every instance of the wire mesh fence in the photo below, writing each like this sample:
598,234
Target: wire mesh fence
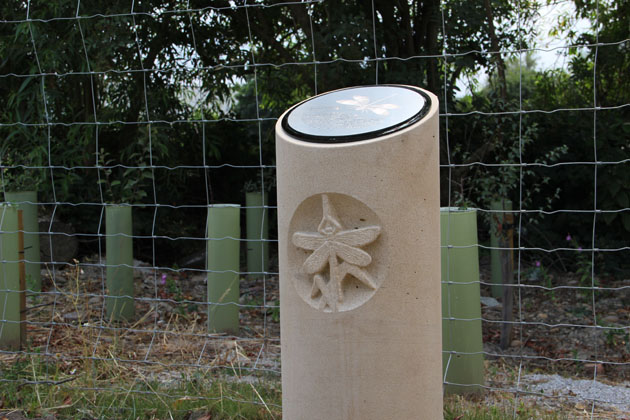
164,111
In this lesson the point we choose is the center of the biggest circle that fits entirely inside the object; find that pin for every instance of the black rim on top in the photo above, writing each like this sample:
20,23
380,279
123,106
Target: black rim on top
361,136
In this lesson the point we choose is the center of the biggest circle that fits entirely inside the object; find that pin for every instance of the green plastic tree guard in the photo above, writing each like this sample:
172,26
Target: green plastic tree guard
119,248
224,232
10,331
461,336
257,219
31,235
497,219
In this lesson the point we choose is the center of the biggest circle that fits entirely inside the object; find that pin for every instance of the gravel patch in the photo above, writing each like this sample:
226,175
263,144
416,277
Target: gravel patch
613,396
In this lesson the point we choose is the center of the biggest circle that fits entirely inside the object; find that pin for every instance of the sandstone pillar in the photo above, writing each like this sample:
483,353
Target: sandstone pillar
359,250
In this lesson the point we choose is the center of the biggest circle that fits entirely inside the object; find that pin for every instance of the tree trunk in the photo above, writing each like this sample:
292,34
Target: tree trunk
496,48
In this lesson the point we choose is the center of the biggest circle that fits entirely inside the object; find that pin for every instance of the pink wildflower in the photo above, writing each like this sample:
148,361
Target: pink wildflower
163,279
537,263
568,238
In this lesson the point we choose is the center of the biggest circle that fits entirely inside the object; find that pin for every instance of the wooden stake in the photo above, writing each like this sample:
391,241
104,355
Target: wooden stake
506,242
22,279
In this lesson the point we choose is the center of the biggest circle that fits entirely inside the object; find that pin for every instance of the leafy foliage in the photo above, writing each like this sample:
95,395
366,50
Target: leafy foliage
183,96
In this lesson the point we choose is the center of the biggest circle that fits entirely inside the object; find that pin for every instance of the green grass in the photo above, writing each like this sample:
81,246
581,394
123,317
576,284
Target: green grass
108,390
88,389
501,408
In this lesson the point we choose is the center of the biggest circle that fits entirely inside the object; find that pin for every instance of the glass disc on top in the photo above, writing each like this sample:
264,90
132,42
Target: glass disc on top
357,113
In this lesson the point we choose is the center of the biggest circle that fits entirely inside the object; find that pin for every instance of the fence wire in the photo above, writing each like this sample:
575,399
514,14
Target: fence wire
69,333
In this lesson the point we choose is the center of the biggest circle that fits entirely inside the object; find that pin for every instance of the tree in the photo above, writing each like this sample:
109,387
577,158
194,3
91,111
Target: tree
149,89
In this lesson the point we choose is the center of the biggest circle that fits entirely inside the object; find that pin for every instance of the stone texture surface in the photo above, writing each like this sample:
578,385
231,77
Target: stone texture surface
376,353
338,257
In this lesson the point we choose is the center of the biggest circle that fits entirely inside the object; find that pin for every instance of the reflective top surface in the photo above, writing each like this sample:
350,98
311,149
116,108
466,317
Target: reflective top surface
356,113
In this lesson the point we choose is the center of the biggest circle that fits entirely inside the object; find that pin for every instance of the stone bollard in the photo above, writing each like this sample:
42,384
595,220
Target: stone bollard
359,251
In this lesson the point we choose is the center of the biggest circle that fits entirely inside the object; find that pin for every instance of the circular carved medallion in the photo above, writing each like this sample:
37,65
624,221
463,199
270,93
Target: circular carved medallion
336,252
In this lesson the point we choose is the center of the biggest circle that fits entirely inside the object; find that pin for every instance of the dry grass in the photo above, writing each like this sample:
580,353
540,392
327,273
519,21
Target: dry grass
164,364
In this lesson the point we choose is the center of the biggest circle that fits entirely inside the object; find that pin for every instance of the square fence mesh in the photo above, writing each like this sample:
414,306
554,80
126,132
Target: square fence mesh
138,250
